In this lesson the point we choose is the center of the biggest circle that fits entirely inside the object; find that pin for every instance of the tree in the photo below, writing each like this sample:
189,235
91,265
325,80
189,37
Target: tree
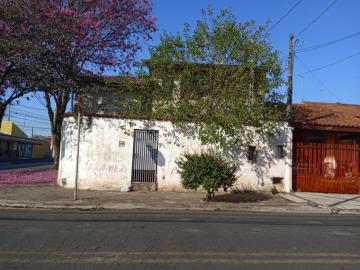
220,77
17,52
82,38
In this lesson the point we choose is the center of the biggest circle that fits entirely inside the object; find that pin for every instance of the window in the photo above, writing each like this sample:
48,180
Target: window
281,151
252,153
315,137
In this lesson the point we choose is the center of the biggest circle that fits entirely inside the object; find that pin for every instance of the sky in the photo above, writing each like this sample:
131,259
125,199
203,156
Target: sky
336,83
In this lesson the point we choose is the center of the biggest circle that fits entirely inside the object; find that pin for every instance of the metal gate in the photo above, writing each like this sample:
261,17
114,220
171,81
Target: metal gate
330,168
145,153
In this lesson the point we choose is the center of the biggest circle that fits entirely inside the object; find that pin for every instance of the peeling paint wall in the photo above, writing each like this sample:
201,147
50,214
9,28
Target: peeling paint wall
106,150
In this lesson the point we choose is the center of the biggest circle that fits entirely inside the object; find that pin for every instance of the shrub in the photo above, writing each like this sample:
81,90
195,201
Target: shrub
209,170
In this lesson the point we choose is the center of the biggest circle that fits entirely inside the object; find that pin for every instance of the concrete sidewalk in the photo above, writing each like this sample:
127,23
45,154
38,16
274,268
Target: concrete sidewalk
55,197
334,203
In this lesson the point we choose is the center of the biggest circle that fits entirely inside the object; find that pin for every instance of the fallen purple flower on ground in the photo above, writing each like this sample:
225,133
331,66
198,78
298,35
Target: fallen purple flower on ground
28,177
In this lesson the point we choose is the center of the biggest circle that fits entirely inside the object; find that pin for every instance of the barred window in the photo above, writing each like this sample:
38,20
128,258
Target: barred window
252,153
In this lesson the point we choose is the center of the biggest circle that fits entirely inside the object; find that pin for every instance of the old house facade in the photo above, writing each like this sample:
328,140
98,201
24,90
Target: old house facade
318,151
117,155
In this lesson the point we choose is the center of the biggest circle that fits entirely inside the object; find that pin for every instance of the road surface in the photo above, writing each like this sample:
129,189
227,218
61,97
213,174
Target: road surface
32,239
31,164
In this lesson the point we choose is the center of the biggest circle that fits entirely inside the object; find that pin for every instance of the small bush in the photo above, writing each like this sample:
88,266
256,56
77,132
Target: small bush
209,170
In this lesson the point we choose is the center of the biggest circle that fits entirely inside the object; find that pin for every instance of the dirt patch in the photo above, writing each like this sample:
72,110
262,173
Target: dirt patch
244,197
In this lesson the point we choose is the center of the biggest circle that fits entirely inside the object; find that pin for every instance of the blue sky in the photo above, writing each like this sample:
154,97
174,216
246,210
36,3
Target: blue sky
338,83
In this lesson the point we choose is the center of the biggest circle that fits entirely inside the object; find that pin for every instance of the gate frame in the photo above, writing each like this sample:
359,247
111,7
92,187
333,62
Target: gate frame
300,179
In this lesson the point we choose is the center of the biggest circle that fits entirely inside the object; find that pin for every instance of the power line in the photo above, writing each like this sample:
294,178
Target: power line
331,64
317,18
39,100
30,113
317,78
318,46
40,128
31,116
283,17
39,109
27,119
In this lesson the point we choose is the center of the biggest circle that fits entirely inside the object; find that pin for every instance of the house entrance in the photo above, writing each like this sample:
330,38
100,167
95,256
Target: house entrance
145,153
330,168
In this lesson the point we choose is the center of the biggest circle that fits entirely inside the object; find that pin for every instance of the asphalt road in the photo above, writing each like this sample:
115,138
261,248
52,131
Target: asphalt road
104,240
26,164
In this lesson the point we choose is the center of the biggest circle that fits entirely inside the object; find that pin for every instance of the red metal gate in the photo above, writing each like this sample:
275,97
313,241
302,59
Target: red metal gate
330,168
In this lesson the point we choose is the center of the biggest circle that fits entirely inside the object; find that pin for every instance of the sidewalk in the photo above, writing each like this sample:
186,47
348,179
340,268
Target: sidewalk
334,203
55,197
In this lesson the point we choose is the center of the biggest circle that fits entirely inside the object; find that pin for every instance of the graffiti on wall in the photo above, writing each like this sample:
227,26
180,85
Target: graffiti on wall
105,169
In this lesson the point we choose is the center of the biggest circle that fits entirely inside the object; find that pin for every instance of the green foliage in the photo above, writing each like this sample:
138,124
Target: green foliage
220,76
209,170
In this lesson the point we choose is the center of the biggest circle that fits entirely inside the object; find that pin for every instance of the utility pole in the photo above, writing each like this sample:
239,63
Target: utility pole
9,115
290,78
79,111
32,132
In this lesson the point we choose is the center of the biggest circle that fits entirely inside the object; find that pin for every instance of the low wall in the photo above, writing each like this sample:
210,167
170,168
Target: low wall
106,152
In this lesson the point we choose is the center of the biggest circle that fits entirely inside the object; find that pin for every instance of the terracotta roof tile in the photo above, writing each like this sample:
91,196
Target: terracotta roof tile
327,114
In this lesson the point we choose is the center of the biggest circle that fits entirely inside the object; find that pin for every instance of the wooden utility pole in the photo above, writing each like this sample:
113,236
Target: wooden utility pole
79,111
290,78
9,115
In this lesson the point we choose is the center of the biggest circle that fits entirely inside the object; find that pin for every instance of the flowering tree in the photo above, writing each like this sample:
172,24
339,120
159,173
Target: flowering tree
83,37
16,52
217,78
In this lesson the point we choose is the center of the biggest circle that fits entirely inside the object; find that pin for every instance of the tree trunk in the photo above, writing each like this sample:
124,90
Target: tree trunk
57,116
210,195
56,139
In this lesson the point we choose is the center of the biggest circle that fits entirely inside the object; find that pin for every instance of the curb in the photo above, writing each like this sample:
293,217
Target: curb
294,209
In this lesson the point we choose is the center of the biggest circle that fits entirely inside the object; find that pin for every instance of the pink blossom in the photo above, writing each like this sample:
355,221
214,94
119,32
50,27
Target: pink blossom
28,177
99,28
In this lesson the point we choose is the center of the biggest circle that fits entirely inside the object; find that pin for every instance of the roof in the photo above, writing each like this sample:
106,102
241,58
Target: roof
43,139
327,114
10,138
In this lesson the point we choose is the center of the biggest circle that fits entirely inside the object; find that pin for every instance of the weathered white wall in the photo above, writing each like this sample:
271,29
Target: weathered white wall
105,164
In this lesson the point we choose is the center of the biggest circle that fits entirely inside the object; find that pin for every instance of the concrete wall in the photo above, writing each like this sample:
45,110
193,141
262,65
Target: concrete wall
106,149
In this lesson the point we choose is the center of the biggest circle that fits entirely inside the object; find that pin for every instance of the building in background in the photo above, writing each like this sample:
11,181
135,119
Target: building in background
42,150
15,144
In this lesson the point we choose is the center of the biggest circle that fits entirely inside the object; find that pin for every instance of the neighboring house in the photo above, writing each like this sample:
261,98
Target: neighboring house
326,147
15,144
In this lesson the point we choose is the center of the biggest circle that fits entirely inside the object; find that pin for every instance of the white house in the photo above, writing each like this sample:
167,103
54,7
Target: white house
115,155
